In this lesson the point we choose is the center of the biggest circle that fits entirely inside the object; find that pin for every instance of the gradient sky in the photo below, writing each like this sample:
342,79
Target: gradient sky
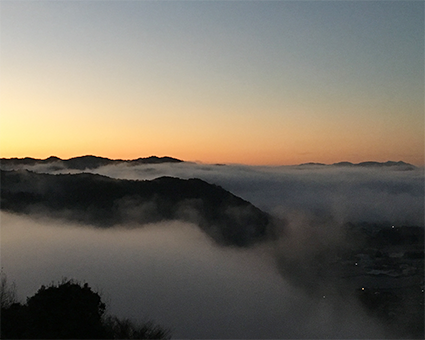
256,82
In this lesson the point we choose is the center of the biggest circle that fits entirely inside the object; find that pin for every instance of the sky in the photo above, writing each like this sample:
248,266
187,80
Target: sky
252,82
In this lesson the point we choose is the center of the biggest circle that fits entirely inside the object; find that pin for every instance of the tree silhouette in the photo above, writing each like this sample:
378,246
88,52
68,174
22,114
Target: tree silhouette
7,292
68,310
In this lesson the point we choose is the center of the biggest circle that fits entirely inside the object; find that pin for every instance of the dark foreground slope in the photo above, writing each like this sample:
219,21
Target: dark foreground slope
104,202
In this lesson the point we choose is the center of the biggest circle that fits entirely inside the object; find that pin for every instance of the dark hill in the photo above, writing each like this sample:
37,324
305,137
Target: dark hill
104,202
86,162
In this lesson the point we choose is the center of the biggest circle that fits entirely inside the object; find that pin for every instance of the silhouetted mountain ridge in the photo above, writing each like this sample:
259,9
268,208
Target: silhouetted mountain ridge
104,202
369,164
82,162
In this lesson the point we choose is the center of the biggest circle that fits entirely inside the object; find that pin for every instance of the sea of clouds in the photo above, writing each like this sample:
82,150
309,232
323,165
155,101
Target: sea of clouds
173,273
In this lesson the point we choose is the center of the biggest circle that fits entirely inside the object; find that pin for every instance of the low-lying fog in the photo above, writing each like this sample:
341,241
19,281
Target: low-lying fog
173,273
347,194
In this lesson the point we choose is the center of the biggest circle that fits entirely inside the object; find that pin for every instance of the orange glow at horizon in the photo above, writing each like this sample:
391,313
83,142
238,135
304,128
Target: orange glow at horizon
285,140
35,131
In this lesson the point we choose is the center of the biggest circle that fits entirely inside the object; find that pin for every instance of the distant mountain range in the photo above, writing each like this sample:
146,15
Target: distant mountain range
93,162
80,163
104,202
370,164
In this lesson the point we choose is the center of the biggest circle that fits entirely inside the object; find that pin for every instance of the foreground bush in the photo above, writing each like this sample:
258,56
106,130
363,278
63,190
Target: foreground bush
126,329
70,310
